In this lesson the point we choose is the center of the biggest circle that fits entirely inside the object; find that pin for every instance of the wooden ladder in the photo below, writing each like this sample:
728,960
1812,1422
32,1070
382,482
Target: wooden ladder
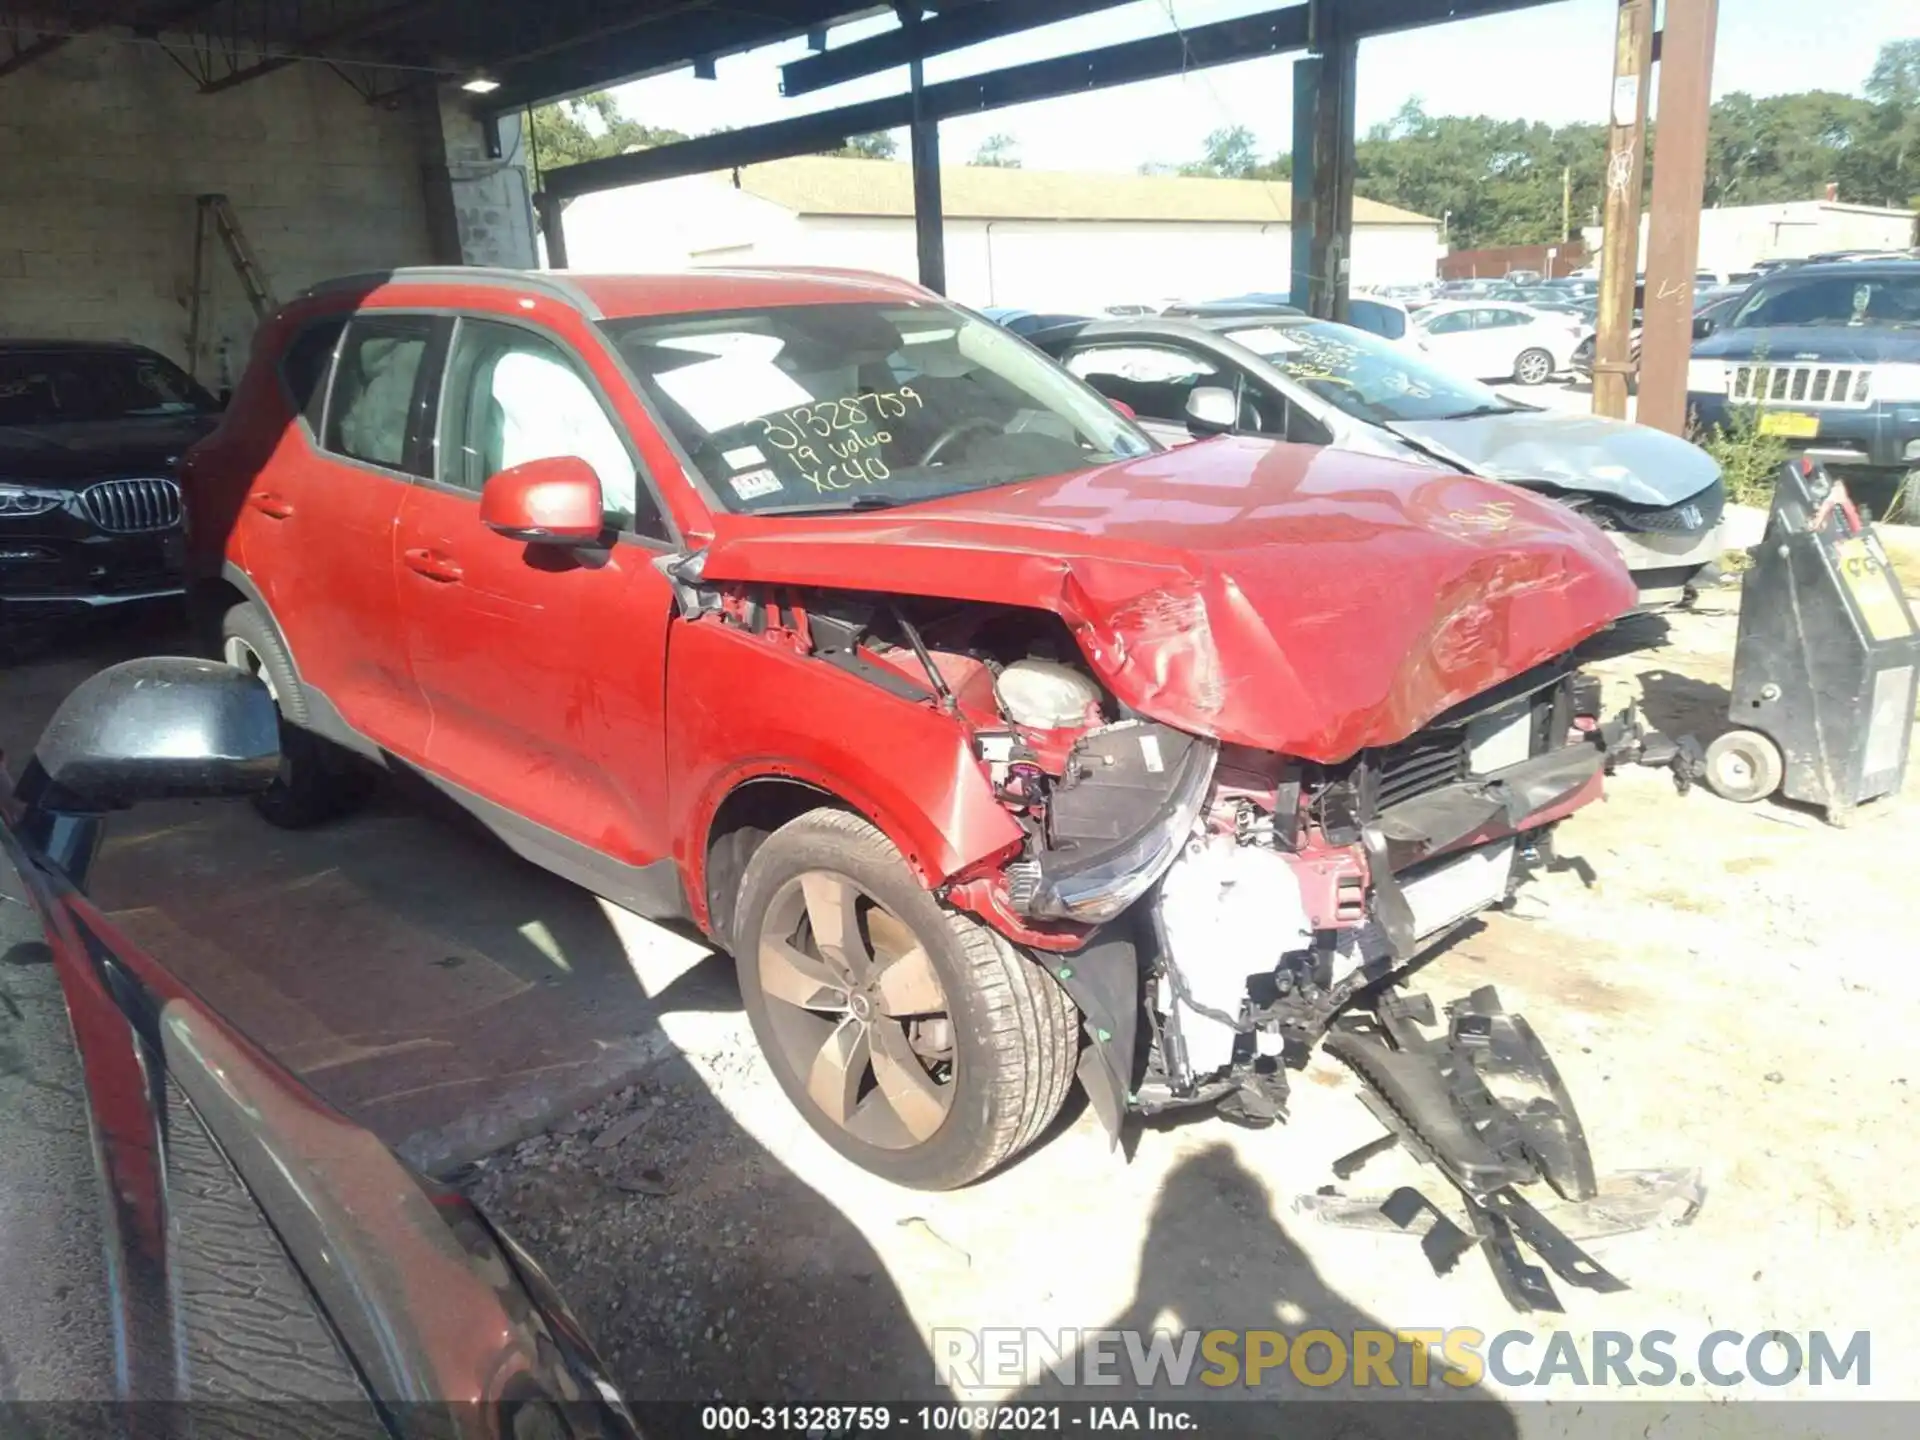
215,218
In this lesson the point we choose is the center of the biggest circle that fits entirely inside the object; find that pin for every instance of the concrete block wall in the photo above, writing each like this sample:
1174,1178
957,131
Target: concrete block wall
107,143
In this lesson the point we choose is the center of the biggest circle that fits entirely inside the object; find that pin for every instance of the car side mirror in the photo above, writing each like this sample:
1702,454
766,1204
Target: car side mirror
555,501
1211,410
161,728
1703,326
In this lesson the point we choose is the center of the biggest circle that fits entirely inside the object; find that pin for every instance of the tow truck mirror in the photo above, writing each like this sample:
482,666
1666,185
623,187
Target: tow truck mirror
555,501
162,728
1211,410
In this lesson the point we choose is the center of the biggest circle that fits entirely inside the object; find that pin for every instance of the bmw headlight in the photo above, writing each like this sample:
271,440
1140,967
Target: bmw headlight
1707,376
20,501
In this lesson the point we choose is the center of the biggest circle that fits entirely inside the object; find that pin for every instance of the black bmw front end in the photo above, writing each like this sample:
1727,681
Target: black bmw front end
90,506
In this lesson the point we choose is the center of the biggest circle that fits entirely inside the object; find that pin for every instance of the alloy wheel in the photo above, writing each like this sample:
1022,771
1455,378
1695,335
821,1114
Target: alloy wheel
857,1011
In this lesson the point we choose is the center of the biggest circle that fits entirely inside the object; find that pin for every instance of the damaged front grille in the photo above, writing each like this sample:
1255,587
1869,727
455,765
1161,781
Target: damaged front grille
1692,516
1422,763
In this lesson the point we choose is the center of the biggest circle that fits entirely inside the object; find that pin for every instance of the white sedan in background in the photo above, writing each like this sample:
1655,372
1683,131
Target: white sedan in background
1494,340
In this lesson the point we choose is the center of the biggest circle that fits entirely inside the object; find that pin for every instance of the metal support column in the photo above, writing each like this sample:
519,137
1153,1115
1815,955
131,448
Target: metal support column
924,146
553,230
1323,135
1679,185
1620,249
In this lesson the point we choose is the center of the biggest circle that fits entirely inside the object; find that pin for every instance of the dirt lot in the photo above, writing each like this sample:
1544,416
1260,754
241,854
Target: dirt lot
1725,988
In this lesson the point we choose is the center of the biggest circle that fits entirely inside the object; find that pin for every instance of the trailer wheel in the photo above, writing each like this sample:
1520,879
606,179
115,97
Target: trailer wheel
1744,766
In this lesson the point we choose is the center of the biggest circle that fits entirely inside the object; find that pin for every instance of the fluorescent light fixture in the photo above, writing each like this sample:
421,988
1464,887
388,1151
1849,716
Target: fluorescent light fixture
480,85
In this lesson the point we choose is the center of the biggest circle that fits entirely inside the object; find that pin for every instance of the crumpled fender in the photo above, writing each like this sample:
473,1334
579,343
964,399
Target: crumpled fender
1339,601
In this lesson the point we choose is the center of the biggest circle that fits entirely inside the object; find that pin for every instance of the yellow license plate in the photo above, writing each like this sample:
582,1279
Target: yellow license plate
1790,423
1874,588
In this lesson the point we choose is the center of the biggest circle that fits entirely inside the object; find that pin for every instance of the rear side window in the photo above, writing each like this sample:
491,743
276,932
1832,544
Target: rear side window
379,381
305,367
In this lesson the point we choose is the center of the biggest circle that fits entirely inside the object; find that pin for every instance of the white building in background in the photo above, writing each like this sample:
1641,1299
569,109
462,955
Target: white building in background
1035,239
1734,237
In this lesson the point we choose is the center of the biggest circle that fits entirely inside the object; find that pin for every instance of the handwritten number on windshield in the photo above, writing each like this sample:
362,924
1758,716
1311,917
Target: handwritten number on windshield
790,430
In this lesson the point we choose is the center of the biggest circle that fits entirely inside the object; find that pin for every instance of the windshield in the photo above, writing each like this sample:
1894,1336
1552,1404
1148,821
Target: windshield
1892,300
58,387
852,405
1365,376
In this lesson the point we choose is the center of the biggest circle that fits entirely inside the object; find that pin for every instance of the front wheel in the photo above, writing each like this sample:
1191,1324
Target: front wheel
1534,367
918,1043
316,782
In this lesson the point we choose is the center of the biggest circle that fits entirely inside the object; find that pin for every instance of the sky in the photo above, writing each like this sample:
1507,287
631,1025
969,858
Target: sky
1552,63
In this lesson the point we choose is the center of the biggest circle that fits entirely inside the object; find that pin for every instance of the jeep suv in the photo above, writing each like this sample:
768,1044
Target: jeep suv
1828,358
847,626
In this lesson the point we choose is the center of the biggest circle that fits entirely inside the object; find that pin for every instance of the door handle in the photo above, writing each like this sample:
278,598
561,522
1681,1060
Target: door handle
270,505
433,565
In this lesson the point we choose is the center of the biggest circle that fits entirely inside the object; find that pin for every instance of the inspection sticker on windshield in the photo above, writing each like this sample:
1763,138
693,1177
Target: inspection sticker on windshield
743,457
756,483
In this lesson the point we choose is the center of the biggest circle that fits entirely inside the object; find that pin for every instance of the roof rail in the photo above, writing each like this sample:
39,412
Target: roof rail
552,284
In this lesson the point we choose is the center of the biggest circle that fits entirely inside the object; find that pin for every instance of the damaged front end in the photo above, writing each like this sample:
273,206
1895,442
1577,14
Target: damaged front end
1248,907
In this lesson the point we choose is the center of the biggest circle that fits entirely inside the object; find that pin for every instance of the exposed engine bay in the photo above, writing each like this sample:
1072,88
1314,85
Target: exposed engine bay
1216,911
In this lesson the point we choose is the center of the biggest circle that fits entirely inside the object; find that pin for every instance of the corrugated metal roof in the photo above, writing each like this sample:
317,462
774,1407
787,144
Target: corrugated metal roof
833,185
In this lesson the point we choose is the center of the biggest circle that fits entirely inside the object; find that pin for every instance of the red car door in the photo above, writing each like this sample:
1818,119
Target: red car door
315,529
542,667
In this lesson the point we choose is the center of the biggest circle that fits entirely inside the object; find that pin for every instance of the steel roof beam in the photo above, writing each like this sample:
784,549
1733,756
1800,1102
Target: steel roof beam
937,34
1272,32
307,47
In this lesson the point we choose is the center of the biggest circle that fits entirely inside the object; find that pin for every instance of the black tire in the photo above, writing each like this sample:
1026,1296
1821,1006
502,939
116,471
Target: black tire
1529,362
1015,1032
317,782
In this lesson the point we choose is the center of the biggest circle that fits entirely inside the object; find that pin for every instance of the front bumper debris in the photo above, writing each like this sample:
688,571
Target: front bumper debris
1485,1105
1625,1202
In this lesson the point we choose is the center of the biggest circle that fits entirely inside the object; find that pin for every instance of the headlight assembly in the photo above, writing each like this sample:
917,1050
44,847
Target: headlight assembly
17,502
1096,887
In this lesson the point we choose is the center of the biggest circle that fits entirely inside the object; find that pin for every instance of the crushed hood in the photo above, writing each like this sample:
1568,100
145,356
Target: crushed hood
1297,599
1588,453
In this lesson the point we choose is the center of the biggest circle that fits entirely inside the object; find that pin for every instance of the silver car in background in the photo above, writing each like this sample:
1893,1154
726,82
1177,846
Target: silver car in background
1295,378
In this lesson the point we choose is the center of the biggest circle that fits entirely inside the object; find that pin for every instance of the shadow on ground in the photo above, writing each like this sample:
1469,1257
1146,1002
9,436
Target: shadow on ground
1679,705
1250,1275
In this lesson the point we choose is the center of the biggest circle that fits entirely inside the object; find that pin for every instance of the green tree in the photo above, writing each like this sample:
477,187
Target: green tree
590,128
878,146
997,151
1229,153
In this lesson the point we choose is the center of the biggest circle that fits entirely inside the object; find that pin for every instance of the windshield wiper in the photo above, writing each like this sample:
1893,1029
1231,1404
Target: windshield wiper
1480,410
853,502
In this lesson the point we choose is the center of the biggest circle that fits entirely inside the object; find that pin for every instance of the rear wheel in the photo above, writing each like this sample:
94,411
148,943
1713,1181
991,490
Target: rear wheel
1744,766
316,781
916,1041
1534,367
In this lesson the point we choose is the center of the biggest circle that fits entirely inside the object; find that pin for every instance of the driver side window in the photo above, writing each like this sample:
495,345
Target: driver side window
1451,323
1155,380
514,396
